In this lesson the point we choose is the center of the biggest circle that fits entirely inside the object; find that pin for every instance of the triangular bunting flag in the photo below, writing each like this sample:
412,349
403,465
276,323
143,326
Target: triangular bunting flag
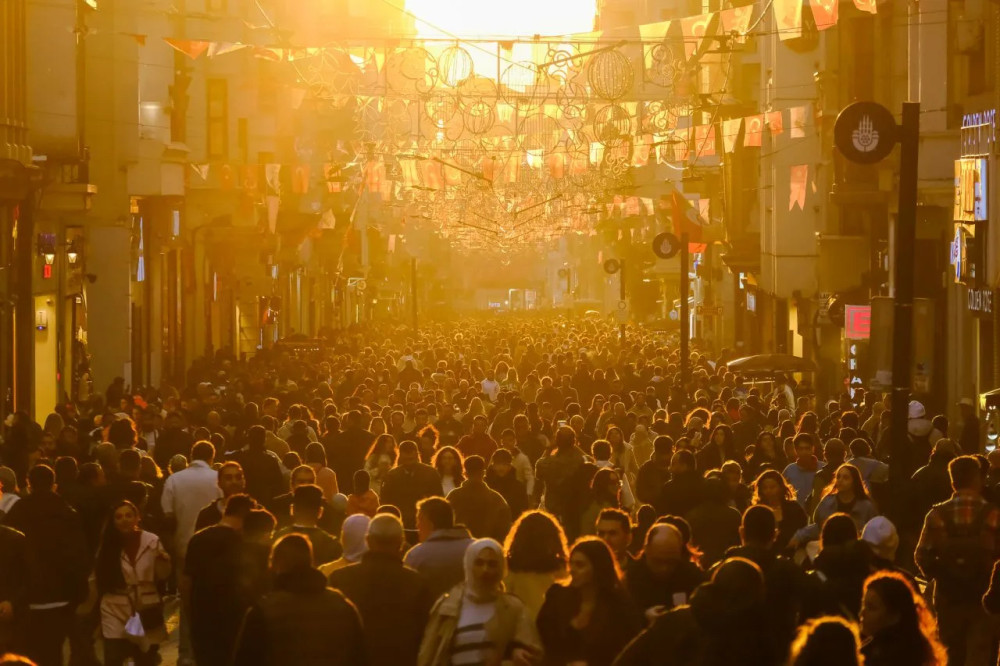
730,132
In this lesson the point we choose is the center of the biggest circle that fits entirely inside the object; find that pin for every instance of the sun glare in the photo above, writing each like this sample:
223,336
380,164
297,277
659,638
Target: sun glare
501,17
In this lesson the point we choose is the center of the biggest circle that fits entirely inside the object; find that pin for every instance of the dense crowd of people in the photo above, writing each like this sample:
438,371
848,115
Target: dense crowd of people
505,491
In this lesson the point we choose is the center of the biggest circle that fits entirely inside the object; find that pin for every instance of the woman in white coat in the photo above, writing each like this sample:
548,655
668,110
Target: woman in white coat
129,563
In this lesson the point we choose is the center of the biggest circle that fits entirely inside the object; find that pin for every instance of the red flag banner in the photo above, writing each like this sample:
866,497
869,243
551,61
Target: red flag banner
736,20
775,122
694,29
730,132
686,220
190,47
754,130
704,140
825,13
788,17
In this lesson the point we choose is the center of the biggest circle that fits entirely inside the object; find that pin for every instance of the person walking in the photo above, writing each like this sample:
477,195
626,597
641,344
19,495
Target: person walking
409,482
590,620
897,625
392,599
537,558
476,622
130,564
957,548
440,555
477,506
301,622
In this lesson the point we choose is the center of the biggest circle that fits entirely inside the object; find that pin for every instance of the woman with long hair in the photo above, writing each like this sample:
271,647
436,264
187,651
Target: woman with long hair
721,446
766,455
590,620
130,562
537,557
846,493
477,622
809,423
897,625
380,459
605,493
428,441
448,462
827,641
772,490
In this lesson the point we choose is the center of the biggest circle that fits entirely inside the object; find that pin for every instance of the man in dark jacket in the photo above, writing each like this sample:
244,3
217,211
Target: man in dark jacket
301,621
930,484
715,526
173,440
683,491
264,481
307,508
663,577
655,472
440,555
13,572
345,455
409,482
393,599
58,565
477,506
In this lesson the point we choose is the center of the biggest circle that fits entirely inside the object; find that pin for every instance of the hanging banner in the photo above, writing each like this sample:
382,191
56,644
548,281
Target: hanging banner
798,121
868,6
694,29
788,18
754,131
797,191
189,47
730,132
824,12
775,123
704,140
736,20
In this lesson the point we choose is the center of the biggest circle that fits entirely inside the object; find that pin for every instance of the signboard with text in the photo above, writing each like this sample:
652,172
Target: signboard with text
857,322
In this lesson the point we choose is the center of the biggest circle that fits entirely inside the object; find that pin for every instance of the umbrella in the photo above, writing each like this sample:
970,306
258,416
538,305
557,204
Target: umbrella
771,363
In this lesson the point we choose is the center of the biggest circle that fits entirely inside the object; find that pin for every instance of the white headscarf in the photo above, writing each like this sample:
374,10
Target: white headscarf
473,589
352,536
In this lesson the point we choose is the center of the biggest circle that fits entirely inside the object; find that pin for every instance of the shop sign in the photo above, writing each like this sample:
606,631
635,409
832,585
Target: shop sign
979,132
981,302
857,322
971,187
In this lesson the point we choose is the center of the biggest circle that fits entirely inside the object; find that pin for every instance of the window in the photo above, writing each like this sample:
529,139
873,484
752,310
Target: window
218,119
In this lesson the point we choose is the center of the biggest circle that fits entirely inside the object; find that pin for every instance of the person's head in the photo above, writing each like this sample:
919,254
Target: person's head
614,528
177,463
826,641
203,451
890,602
838,530
385,535
834,452
15,660
565,438
606,485
475,468
663,451
362,482
758,527
847,481
41,479
258,526
303,475
307,504
601,450
682,462
409,454
315,455
231,479
290,554
125,517
966,474
434,513
484,570
8,481
536,543
805,444
593,565
881,536
663,550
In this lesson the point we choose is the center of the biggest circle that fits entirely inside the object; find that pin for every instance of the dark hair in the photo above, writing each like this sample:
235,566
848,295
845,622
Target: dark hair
259,522
601,449
362,482
66,470
565,438
291,460
256,436
292,552
239,506
315,453
457,472
108,565
607,574
838,530
663,444
916,624
308,498
808,423
771,475
600,484
204,451
536,543
686,458
389,509
438,511
804,438
826,641
964,471
499,457
474,465
121,433
408,446
688,552
618,516
860,490
41,478
758,524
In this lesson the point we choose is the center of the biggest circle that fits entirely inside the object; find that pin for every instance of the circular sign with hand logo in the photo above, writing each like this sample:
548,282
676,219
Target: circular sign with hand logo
666,245
612,266
865,132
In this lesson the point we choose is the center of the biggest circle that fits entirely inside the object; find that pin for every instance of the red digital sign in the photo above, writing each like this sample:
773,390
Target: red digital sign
857,322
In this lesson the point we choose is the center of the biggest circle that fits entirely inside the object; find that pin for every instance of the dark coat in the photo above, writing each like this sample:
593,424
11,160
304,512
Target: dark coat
929,485
393,600
345,453
262,470
13,576
715,527
614,623
894,646
836,585
680,494
55,548
482,509
649,482
647,591
513,491
302,623
405,486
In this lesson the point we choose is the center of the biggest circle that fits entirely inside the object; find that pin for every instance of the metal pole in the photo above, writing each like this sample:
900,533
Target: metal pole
413,289
621,286
685,312
903,277
24,312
